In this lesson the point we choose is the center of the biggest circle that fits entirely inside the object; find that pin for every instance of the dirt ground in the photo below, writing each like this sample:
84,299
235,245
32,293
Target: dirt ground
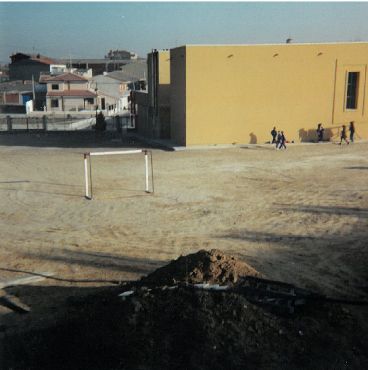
298,216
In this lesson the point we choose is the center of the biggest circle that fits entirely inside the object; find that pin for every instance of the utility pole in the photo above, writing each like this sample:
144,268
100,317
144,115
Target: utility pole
34,97
96,89
33,89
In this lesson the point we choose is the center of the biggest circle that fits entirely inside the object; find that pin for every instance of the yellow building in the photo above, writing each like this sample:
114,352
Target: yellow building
224,94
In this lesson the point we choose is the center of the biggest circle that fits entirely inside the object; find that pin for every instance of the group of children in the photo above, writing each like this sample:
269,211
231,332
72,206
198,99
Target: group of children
278,137
343,133
343,136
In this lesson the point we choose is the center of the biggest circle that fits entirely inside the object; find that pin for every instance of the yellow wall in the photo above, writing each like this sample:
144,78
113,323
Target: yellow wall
164,77
236,94
164,94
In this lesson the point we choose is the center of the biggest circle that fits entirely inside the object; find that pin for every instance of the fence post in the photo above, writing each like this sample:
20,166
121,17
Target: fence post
9,123
44,123
118,124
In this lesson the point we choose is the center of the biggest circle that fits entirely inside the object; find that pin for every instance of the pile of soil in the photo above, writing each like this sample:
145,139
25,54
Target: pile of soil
214,267
161,327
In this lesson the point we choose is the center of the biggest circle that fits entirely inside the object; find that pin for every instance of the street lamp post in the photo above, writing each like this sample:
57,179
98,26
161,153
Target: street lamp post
96,105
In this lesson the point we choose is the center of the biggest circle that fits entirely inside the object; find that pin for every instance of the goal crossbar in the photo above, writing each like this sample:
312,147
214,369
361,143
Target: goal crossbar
117,152
88,168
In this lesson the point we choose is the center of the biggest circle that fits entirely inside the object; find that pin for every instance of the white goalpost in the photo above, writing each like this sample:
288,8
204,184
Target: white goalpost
88,168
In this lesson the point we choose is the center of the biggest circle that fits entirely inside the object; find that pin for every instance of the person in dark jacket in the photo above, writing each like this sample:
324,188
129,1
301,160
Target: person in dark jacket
343,135
320,131
282,140
274,135
352,131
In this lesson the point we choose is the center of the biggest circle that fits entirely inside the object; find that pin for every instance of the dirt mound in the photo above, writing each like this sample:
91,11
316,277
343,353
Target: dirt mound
156,326
212,266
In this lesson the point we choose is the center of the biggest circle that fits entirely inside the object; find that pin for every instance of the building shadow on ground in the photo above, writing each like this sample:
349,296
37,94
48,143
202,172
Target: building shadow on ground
97,260
356,168
258,147
331,262
71,190
69,325
75,139
334,210
60,330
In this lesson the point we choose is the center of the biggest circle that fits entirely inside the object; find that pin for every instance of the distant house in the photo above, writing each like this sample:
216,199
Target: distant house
98,66
59,69
24,66
69,92
113,89
14,95
121,54
133,74
4,76
110,92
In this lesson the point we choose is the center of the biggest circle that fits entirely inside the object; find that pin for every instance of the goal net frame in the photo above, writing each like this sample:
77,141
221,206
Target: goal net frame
88,168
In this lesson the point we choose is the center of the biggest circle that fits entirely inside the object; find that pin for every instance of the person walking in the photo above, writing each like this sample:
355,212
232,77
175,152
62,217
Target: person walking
320,130
282,141
352,131
274,135
343,135
278,139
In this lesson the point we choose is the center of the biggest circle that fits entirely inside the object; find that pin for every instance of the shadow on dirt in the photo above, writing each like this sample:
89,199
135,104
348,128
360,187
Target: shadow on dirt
96,329
112,262
356,168
332,210
155,326
76,139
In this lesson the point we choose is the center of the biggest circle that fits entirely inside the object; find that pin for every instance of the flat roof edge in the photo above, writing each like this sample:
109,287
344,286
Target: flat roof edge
284,44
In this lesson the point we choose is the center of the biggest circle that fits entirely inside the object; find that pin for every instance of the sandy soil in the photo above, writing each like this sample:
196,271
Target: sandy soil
298,215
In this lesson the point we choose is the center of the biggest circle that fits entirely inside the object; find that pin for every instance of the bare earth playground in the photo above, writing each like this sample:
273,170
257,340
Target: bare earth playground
298,216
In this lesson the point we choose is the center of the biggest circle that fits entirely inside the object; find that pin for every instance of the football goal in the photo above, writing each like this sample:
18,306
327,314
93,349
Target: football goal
88,168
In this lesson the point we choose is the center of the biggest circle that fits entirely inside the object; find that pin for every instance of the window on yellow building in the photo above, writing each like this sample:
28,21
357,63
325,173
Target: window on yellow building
352,90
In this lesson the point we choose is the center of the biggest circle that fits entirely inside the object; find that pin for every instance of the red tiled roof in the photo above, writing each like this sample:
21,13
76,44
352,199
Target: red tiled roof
18,57
44,78
73,93
42,59
67,77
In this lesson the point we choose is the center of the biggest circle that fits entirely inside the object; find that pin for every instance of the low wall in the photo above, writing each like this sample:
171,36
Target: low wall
8,108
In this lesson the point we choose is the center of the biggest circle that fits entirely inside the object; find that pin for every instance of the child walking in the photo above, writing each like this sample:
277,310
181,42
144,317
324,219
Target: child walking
282,141
352,131
343,135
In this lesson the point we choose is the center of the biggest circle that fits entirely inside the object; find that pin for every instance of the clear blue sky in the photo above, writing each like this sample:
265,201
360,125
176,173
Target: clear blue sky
90,29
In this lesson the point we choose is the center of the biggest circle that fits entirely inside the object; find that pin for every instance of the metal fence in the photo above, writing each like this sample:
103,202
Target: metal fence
46,123
58,123
8,124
